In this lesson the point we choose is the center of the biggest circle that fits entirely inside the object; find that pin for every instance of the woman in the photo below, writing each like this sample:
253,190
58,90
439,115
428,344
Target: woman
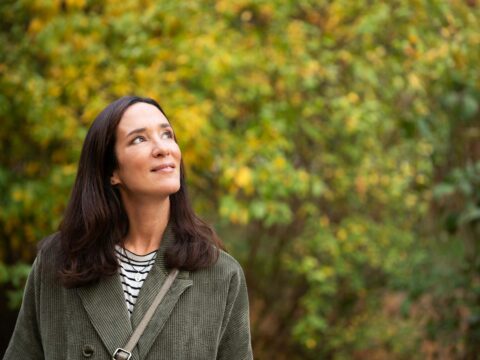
127,225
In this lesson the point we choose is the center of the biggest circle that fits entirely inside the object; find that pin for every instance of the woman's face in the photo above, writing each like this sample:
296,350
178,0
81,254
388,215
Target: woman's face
148,157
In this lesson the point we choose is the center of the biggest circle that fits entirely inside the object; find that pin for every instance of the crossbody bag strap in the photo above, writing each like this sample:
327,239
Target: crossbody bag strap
126,352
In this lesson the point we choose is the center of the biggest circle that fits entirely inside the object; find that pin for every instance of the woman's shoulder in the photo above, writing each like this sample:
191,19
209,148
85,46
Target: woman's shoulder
225,267
49,245
227,261
48,253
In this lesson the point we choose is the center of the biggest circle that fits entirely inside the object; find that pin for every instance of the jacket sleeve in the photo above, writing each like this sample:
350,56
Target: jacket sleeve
26,341
235,342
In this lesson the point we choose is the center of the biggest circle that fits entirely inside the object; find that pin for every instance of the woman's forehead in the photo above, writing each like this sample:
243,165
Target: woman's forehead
141,115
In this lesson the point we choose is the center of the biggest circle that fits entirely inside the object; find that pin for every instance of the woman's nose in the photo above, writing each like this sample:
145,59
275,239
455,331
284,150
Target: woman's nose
160,148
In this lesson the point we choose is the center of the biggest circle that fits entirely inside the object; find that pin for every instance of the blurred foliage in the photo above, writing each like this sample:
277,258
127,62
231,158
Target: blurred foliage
14,275
332,143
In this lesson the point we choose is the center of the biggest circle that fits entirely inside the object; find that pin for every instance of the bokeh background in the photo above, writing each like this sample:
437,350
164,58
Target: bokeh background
334,145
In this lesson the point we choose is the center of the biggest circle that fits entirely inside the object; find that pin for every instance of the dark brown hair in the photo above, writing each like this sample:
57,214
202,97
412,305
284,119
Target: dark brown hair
95,220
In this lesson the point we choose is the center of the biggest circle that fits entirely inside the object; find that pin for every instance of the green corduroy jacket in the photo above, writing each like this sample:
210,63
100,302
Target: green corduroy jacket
204,315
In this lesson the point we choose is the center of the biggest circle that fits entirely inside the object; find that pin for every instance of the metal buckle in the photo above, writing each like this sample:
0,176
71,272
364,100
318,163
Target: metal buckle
122,353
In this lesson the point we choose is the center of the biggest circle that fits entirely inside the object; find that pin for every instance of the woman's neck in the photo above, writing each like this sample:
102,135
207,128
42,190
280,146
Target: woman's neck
147,223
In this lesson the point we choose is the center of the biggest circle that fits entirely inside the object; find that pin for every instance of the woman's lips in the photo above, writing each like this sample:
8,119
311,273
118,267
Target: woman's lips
165,168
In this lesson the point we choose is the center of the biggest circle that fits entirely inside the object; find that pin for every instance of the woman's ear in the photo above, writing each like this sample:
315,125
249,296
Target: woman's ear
114,180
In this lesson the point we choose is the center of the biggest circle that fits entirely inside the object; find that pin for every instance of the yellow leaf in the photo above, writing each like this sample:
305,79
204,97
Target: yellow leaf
311,343
342,234
17,195
353,97
279,163
244,177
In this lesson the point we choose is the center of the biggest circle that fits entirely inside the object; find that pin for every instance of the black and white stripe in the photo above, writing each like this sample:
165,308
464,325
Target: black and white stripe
131,265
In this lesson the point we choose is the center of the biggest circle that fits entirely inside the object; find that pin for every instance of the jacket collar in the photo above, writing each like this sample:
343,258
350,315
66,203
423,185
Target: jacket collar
106,308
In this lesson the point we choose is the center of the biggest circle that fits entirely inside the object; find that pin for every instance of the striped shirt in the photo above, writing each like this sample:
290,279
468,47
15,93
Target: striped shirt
133,272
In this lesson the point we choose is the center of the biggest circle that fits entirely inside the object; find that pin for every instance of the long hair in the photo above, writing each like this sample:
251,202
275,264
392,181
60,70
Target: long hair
95,219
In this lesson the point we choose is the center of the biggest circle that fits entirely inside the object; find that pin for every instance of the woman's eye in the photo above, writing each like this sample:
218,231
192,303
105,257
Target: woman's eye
167,135
138,140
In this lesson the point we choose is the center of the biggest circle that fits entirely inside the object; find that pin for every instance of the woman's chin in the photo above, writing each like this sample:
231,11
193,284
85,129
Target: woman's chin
166,190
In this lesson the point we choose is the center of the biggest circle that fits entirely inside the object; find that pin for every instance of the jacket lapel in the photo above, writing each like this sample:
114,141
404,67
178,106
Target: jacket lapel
149,291
106,308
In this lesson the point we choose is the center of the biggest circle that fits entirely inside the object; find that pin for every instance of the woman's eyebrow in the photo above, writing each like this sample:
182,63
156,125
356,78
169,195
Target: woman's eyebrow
136,131
140,130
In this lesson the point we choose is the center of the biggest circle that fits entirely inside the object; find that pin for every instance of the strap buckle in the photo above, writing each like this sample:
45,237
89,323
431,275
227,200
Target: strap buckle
121,354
